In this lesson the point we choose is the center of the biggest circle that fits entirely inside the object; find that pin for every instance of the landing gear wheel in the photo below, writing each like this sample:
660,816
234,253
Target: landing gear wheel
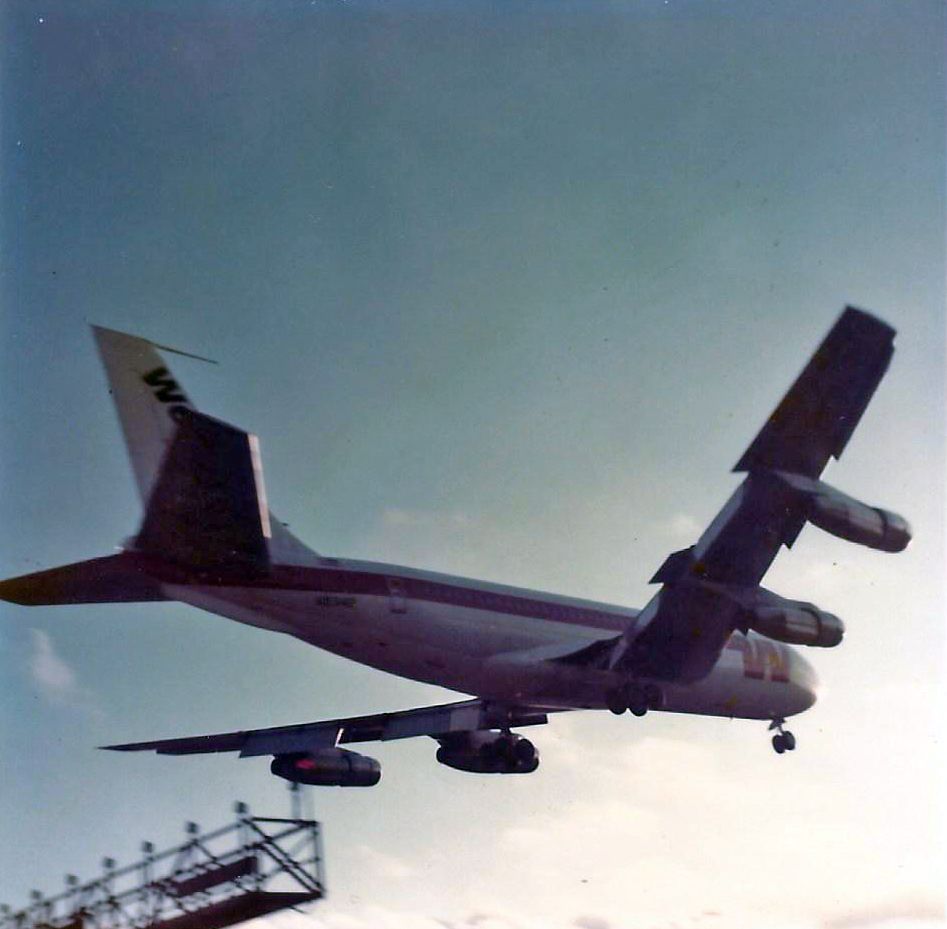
616,702
637,700
784,740
525,752
639,706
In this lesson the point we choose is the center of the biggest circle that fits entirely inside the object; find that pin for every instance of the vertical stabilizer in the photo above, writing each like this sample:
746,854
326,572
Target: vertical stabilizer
151,407
150,402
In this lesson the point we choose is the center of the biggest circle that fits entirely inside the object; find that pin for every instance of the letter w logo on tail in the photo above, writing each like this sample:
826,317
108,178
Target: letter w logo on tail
166,388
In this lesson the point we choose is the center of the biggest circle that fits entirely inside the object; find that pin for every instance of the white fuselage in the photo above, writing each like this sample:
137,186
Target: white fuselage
490,640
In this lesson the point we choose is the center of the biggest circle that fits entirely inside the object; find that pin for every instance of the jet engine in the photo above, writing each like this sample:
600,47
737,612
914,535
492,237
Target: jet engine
796,622
330,767
866,525
488,752
847,518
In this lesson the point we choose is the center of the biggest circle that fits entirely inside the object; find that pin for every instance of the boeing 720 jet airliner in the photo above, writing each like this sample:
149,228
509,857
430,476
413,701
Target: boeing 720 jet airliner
711,641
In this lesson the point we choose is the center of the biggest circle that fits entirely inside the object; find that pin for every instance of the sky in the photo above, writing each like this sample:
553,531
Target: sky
505,289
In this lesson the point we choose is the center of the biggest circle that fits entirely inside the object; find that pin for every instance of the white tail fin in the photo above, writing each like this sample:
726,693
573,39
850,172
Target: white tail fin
151,403
148,399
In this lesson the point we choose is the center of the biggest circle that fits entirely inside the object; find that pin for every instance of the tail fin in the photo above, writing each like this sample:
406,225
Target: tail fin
150,402
200,481
152,406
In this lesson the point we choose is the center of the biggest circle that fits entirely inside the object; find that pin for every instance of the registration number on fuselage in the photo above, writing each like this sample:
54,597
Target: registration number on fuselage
335,600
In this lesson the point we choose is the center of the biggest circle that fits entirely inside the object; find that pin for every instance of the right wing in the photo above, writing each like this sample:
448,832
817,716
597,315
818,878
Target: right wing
812,423
434,721
711,588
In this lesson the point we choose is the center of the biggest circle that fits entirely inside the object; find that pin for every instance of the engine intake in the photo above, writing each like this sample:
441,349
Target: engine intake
328,767
488,752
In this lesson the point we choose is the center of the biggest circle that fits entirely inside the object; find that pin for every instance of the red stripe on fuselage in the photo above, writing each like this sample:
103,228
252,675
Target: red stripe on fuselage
345,580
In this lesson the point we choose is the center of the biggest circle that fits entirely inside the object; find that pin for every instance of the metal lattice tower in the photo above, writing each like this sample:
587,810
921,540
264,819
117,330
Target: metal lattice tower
252,867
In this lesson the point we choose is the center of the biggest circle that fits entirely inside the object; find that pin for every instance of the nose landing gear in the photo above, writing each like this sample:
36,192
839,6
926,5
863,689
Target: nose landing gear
784,740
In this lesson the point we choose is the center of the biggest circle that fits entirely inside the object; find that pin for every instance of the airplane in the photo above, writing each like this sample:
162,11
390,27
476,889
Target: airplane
711,641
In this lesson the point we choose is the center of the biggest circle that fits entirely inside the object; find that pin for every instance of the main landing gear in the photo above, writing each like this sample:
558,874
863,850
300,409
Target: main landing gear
784,740
636,698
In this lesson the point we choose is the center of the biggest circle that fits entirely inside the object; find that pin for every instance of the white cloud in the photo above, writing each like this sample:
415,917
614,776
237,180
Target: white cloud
909,912
373,916
54,678
388,866
683,526
590,922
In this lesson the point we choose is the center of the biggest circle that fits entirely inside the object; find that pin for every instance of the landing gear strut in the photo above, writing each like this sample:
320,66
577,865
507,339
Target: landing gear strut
784,740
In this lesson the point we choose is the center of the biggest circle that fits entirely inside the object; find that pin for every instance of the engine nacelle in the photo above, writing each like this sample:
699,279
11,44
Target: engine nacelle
797,623
867,525
328,767
849,519
488,752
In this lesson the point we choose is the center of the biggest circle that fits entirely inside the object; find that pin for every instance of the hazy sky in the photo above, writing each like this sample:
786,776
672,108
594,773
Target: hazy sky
505,289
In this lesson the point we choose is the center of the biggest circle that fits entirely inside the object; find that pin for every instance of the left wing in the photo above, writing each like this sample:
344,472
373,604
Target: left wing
434,721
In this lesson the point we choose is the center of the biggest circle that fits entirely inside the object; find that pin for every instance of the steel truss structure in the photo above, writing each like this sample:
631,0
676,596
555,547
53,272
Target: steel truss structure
252,867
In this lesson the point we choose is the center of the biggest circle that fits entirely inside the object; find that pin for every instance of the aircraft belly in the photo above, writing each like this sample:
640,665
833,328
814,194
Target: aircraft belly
441,644
487,653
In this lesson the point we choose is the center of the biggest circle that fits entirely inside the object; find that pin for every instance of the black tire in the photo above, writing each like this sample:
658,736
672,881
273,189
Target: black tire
616,702
779,746
639,707
789,741
525,752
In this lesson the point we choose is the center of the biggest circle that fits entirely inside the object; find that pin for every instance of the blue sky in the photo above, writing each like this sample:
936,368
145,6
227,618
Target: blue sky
505,290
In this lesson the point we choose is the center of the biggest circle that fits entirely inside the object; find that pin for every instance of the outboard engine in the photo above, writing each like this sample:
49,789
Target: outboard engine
848,518
329,767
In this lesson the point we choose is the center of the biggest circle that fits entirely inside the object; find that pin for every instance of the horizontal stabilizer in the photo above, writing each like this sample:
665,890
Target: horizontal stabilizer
113,579
208,507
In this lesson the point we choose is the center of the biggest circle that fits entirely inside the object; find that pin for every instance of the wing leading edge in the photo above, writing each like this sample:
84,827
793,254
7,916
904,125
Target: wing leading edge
434,721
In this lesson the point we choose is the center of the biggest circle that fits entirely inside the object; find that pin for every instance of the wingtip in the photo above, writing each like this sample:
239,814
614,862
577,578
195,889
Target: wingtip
857,314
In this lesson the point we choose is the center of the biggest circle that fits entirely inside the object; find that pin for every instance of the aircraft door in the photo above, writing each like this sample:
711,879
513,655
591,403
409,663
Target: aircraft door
397,601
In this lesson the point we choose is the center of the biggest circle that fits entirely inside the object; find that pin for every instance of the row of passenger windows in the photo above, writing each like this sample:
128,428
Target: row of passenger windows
487,600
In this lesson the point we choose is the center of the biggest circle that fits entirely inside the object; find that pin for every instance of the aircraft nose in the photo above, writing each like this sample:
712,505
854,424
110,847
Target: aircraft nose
805,683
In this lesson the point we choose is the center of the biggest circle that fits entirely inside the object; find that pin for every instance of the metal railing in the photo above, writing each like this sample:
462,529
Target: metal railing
254,866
